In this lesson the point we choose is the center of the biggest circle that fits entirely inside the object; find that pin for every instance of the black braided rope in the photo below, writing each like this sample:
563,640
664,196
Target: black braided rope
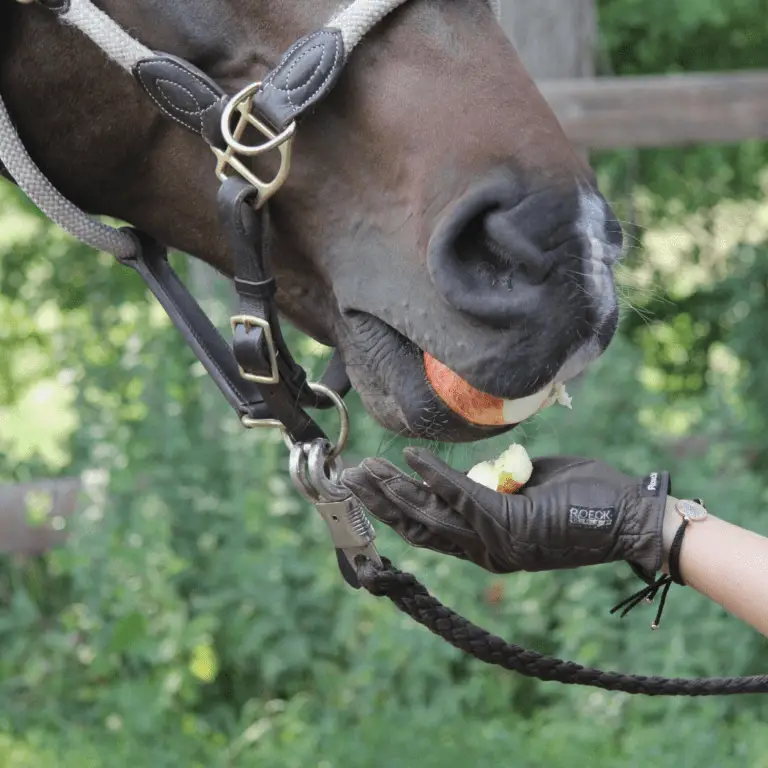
413,599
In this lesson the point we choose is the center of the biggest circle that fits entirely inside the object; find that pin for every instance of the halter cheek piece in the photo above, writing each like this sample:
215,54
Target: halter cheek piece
257,375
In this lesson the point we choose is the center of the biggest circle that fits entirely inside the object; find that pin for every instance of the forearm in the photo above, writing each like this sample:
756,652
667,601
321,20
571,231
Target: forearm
724,562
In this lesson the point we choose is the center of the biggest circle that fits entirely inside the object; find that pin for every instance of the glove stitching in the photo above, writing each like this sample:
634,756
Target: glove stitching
423,513
491,518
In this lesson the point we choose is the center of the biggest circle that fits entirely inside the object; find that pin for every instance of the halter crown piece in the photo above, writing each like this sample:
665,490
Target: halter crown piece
257,374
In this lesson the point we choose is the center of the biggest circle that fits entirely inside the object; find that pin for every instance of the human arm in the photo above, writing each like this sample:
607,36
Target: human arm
724,562
540,528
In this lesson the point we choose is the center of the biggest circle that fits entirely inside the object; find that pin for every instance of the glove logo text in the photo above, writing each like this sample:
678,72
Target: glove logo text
591,517
652,484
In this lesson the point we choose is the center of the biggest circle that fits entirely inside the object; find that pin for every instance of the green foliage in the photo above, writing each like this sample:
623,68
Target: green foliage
196,616
649,37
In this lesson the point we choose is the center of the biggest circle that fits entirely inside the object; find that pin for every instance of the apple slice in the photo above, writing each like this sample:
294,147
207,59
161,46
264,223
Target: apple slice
507,474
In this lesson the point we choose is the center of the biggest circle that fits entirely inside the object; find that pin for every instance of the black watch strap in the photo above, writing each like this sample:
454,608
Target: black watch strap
691,512
674,554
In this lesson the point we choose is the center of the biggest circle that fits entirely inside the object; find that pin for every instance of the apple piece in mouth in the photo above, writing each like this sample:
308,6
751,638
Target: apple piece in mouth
483,409
507,474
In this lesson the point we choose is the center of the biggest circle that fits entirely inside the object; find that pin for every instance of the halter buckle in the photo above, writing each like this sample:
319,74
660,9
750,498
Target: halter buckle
282,142
249,322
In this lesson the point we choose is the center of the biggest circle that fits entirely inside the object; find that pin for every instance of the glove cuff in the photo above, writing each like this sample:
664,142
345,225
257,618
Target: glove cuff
642,536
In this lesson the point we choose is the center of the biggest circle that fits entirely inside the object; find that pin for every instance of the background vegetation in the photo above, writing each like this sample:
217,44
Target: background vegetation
196,617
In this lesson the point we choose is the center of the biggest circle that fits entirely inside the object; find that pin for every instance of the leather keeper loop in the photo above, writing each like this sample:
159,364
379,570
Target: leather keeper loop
264,290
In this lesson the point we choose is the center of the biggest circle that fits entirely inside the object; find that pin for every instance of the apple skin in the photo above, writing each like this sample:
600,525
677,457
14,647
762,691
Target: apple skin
462,398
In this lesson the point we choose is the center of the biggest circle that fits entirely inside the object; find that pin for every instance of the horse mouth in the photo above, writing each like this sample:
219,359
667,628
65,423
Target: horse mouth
484,409
412,393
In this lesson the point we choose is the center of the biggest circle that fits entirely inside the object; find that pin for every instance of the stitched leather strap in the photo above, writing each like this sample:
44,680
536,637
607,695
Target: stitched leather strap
204,339
201,335
183,93
247,235
307,72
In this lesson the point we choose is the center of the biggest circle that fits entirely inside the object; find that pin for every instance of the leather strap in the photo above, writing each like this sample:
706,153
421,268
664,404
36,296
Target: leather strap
674,554
57,6
257,354
210,348
183,93
307,72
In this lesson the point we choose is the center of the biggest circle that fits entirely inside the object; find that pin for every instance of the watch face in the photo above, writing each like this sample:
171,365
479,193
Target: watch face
690,509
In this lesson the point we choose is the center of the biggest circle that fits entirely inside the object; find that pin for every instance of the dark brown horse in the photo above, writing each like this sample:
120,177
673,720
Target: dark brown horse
435,211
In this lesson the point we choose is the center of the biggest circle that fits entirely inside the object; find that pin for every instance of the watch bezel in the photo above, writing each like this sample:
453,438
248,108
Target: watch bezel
692,510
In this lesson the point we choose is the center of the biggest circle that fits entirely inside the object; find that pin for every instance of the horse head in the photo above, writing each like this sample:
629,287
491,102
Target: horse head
438,228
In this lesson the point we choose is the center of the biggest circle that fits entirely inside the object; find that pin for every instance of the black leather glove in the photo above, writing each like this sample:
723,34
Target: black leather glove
573,512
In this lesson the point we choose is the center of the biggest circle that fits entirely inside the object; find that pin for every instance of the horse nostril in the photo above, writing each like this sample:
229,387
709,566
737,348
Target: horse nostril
489,269
506,255
513,250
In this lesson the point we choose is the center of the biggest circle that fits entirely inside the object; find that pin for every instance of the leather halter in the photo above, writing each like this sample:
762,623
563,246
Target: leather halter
257,375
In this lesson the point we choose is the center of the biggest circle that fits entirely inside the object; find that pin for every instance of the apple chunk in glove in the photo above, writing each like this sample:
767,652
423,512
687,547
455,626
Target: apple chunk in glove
572,512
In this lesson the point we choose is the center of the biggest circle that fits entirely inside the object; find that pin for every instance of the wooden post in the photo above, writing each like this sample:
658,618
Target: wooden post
555,39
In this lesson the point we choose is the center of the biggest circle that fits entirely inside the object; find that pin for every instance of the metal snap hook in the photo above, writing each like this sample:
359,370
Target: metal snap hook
325,473
297,468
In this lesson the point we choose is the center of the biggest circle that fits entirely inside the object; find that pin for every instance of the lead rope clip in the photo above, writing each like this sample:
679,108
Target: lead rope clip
316,475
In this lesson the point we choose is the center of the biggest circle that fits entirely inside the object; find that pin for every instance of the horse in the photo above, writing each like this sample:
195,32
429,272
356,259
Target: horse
437,218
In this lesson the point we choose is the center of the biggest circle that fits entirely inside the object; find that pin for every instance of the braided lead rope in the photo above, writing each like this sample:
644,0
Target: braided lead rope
413,599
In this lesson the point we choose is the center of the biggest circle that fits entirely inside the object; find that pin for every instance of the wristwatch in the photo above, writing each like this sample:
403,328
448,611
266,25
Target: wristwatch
692,511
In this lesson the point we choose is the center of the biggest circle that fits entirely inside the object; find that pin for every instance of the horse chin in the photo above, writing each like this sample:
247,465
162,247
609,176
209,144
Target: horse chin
398,385
388,371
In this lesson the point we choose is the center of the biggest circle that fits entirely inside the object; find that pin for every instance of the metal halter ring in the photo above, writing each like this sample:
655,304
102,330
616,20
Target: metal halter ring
308,466
341,408
282,142
242,102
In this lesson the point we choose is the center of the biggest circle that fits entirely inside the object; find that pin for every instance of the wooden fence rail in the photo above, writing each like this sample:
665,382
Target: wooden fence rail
29,514
661,111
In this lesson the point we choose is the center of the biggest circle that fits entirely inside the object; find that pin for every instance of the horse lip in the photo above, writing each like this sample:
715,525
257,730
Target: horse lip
421,348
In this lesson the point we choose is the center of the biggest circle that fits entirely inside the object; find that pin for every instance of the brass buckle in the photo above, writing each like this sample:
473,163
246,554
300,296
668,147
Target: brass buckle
282,142
256,322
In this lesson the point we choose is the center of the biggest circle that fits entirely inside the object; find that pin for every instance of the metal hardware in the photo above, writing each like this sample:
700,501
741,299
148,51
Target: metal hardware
325,472
282,142
249,321
341,409
316,476
692,511
250,423
331,452
352,535
297,468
